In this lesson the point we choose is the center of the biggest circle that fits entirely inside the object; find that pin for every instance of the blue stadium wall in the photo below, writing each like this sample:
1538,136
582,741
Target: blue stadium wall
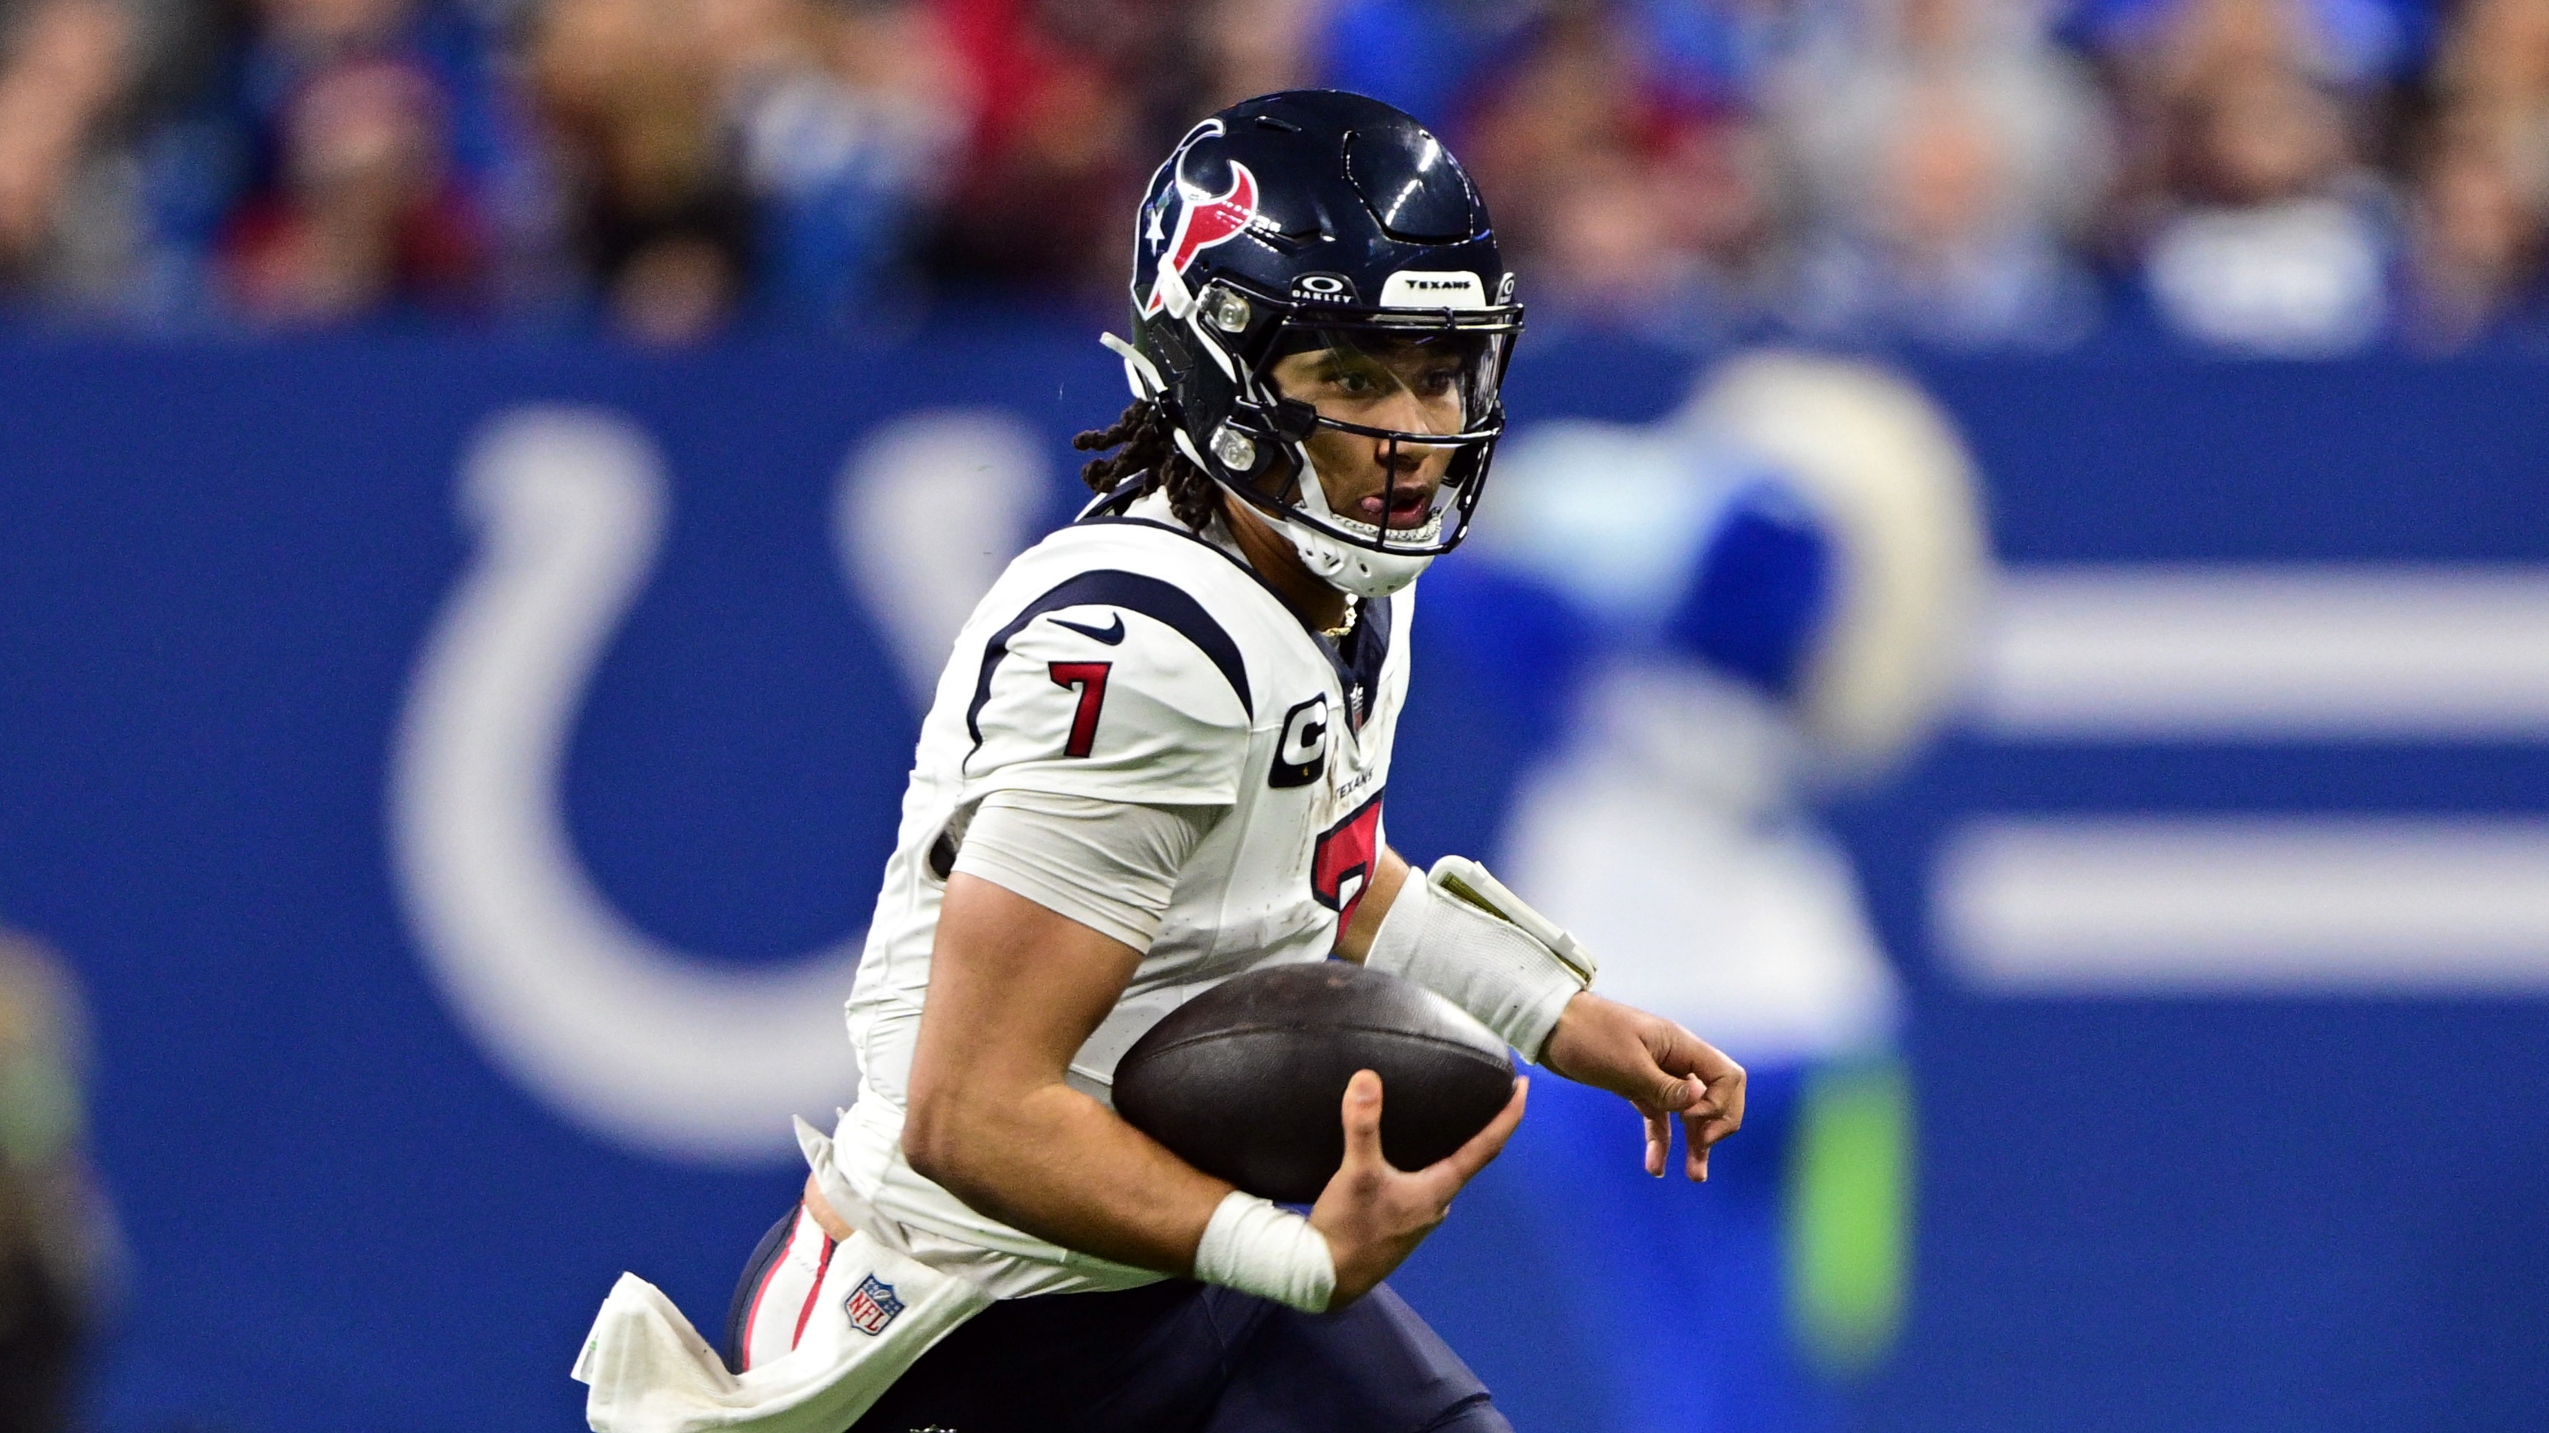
219,564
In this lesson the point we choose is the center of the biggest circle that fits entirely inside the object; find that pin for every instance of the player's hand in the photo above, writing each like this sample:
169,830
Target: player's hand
1374,1215
1655,1065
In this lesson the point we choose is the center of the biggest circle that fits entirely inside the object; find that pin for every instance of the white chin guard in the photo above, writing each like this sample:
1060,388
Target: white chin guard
1347,566
1351,568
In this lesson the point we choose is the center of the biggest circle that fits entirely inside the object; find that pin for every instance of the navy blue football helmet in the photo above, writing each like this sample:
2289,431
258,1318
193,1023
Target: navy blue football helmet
1318,220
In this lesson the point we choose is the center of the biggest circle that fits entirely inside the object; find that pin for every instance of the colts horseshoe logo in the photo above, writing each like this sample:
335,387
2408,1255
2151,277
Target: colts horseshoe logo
629,1037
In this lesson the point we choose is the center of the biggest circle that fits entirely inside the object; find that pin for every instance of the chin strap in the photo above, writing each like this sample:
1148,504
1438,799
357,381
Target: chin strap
1461,934
1140,374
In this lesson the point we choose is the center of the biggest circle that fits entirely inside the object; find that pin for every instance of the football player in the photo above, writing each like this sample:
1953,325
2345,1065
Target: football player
1156,759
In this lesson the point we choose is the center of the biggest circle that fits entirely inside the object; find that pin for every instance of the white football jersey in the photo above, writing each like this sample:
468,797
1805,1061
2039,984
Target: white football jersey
1125,659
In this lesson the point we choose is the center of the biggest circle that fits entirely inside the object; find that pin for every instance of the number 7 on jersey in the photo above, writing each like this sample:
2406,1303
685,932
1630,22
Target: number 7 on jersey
1090,678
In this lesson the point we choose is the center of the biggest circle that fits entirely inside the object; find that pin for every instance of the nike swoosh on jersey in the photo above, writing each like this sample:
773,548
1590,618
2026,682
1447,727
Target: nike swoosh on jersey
1110,635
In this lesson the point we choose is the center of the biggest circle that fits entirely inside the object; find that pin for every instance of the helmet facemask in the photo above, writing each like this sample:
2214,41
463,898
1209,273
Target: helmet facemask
1418,384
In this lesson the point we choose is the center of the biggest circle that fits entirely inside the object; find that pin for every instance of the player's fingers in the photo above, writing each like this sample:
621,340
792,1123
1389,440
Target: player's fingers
1700,1133
1362,1115
1718,1126
1726,1096
1718,1081
1464,1163
1703,1127
1659,1139
1726,1092
1676,1092
1683,1053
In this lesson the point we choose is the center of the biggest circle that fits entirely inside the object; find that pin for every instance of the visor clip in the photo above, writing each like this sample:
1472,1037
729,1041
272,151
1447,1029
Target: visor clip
1234,449
1294,420
1228,311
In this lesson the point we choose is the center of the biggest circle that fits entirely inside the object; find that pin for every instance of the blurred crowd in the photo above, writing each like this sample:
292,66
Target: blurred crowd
2286,177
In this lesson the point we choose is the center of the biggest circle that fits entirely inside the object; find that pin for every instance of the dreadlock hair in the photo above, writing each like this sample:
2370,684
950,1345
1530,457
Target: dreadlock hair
1148,452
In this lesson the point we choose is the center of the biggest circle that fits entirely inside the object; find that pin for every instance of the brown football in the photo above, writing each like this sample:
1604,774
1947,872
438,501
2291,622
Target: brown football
1246,1080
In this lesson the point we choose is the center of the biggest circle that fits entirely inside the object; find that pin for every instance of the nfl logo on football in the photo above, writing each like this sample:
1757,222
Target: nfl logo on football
872,1305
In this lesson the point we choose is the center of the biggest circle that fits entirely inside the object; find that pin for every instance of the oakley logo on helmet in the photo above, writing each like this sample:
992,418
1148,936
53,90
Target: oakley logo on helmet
1203,218
1453,290
1324,289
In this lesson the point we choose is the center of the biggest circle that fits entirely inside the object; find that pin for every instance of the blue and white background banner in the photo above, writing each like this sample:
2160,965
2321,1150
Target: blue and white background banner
458,776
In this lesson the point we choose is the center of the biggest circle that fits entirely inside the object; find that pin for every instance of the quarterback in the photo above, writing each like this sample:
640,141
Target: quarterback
1157,758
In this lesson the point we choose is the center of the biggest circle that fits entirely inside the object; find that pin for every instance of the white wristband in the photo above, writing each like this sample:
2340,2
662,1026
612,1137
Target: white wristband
1460,934
1256,1248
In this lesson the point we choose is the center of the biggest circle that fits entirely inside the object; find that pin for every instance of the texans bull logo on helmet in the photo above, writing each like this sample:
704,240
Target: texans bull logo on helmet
1184,219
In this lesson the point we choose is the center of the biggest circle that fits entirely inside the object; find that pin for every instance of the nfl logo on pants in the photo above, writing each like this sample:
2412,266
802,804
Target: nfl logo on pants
872,1305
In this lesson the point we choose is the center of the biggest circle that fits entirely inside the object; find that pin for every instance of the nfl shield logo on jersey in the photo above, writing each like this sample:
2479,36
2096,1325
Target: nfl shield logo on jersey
872,1305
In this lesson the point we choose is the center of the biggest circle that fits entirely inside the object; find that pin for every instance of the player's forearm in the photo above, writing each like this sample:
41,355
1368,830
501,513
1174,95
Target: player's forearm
1014,989
1057,1164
